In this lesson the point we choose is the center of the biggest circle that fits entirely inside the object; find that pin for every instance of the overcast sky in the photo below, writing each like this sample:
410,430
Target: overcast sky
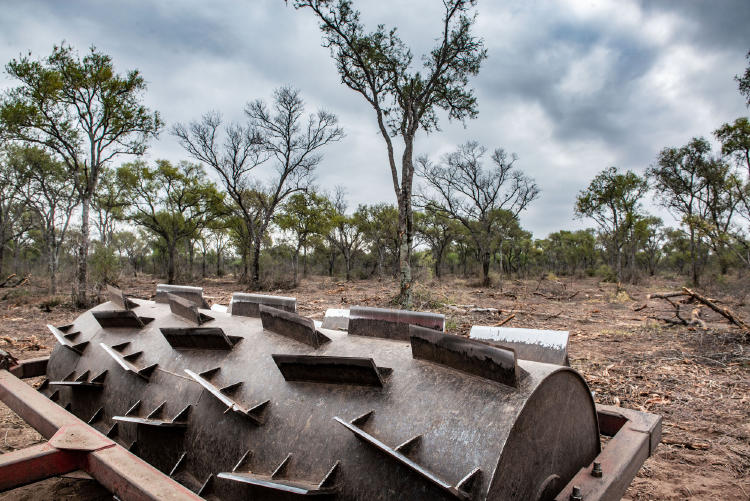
571,86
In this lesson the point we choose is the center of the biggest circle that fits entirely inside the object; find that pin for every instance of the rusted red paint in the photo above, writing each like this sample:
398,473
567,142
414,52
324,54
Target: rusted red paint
32,367
80,447
635,436
35,463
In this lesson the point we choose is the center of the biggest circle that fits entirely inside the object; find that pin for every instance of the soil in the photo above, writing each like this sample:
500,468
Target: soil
697,378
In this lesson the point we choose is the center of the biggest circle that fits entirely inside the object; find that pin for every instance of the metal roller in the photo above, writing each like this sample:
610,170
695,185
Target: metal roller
272,408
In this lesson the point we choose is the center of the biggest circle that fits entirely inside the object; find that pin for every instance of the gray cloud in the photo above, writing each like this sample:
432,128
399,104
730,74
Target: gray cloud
571,86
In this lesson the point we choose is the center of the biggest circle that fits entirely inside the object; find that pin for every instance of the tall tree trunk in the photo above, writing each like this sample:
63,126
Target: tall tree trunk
191,256
304,261
52,266
16,256
405,223
502,266
331,259
256,263
81,296
296,266
693,257
245,260
348,261
438,261
486,268
203,265
172,250
381,258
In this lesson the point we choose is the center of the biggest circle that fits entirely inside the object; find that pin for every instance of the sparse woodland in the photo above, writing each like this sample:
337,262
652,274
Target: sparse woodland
657,311
81,208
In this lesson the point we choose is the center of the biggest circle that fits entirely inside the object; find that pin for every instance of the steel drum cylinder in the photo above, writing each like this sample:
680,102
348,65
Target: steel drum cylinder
421,430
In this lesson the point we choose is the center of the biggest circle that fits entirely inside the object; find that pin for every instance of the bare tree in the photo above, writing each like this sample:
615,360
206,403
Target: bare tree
279,135
378,66
482,200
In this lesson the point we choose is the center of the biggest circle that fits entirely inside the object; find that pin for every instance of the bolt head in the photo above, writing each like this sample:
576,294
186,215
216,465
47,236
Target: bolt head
576,494
596,471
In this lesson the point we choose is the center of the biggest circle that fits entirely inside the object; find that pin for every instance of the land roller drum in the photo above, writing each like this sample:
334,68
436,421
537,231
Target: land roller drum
271,407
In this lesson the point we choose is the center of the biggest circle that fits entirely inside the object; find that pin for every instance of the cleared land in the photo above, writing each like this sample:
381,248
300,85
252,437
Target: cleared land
698,380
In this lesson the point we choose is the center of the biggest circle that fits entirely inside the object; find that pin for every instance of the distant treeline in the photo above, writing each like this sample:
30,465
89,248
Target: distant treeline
71,120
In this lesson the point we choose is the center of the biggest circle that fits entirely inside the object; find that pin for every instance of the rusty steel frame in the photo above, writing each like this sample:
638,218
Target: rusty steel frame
74,445
32,367
635,436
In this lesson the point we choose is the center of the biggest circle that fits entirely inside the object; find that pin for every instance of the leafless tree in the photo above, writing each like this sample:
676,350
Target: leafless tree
483,200
278,135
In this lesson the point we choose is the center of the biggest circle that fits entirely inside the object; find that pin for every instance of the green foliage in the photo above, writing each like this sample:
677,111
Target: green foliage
379,225
735,141
51,198
306,214
172,202
105,265
379,66
79,108
569,252
743,82
437,230
704,193
606,273
613,200
84,112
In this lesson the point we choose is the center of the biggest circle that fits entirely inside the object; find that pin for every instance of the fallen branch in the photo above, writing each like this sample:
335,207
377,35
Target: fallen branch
555,315
676,307
22,281
665,295
558,315
503,322
723,311
2,284
696,446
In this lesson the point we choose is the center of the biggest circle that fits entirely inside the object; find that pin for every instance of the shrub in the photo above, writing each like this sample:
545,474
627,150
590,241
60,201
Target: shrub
105,266
606,273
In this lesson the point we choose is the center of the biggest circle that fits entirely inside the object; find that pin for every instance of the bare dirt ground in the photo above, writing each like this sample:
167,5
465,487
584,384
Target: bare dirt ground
697,379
